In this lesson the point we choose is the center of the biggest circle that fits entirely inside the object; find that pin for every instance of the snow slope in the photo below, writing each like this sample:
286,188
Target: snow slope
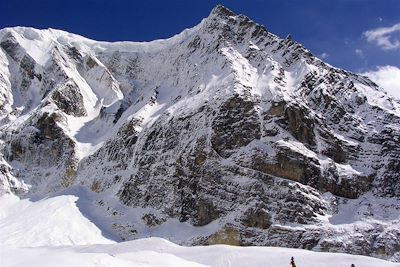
53,232
157,252
49,222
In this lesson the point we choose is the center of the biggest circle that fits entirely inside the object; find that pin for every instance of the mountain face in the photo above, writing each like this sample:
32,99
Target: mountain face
224,133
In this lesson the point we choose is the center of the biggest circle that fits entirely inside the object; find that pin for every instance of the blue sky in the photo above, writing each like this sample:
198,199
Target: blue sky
350,34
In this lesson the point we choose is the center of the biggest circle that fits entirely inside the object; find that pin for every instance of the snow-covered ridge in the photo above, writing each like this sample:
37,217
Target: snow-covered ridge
83,43
41,37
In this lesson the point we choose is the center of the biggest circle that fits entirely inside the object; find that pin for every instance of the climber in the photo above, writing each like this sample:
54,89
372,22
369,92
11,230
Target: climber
294,264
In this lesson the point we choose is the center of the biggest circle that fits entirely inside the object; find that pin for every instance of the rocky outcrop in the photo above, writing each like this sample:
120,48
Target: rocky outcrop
68,98
45,152
235,126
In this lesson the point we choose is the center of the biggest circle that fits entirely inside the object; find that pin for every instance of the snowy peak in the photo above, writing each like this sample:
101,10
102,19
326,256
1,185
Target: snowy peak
225,130
220,11
97,81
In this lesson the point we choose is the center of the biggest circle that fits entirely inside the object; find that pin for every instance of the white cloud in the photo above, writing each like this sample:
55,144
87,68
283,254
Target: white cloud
324,55
384,37
387,77
359,53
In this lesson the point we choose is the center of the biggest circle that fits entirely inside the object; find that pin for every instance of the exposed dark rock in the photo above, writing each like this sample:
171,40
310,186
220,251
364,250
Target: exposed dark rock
10,46
236,125
228,236
258,218
69,99
47,146
206,212
299,124
91,62
152,220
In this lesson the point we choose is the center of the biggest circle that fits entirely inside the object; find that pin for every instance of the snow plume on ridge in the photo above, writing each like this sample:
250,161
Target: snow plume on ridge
387,77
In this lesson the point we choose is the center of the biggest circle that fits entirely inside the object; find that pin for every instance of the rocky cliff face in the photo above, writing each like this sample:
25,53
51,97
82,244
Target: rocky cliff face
224,133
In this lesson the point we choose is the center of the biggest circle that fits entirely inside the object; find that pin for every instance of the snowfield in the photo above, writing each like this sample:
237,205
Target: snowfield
53,232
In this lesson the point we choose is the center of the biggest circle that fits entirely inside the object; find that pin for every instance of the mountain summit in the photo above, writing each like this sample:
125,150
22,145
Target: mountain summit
224,133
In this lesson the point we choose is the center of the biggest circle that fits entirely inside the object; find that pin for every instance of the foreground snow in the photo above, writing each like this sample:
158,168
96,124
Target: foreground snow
159,252
49,222
53,232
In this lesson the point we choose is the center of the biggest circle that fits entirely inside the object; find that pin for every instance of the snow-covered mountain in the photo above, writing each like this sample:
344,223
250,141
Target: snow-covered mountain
224,133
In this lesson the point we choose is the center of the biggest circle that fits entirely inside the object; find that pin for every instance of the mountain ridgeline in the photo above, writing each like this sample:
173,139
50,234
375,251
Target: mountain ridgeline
224,133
